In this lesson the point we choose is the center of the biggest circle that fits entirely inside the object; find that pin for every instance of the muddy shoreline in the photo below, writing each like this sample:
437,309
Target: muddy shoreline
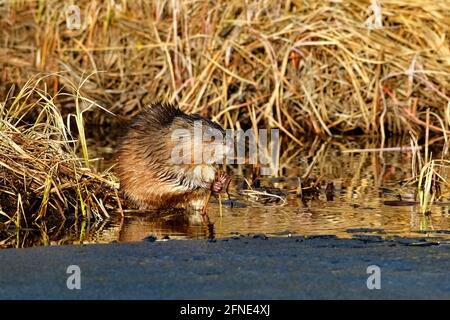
258,267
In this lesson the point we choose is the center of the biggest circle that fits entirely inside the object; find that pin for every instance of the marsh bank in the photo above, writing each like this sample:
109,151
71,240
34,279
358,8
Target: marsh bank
241,267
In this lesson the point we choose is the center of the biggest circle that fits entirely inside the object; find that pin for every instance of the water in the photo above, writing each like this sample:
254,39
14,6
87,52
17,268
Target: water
351,212
365,184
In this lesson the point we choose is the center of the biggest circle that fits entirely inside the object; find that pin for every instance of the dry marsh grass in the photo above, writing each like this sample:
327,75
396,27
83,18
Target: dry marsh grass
41,173
301,66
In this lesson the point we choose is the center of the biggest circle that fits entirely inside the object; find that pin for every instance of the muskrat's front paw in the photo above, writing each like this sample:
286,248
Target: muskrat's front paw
218,184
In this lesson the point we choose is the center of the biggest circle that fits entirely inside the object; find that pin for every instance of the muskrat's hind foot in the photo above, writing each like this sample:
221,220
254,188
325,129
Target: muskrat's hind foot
218,184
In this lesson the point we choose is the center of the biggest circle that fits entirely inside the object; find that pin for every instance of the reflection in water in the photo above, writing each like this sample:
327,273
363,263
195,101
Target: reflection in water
362,182
175,225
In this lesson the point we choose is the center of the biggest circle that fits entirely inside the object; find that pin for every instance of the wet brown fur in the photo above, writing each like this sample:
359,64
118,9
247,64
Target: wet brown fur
148,176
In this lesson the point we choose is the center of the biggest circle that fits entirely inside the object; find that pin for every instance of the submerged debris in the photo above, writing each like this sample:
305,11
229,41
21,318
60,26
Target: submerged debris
265,195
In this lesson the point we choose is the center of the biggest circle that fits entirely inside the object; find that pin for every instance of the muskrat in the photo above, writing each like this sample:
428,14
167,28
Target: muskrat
149,176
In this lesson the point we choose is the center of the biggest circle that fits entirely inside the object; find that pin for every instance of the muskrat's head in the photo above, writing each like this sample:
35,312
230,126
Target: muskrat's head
170,148
169,157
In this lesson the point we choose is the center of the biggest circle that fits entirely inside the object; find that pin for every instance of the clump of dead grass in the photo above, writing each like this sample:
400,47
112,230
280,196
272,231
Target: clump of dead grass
41,173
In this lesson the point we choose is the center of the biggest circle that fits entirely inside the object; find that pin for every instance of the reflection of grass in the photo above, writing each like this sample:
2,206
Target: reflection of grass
40,171
60,232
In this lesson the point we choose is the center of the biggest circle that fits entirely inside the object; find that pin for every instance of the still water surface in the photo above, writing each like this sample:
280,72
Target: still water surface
363,182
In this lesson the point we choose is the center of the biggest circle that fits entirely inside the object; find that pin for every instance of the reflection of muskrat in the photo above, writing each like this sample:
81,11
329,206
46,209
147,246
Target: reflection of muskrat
148,174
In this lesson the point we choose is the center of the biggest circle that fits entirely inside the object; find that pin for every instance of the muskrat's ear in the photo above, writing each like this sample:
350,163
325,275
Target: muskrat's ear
216,126
180,123
161,113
